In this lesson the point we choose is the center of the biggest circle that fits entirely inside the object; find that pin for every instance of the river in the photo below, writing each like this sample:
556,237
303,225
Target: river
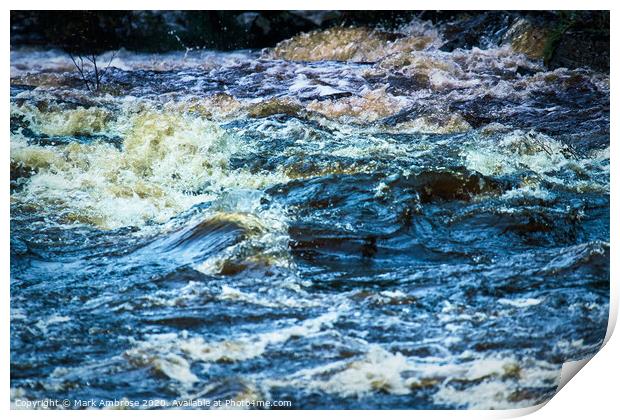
347,220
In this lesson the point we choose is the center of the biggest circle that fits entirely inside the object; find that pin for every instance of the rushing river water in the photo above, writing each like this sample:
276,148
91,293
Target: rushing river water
352,219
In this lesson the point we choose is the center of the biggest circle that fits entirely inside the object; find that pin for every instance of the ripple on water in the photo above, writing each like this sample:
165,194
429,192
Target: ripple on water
353,218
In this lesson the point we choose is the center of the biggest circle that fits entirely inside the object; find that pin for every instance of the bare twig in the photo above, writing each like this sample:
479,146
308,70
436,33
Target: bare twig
93,85
80,69
109,62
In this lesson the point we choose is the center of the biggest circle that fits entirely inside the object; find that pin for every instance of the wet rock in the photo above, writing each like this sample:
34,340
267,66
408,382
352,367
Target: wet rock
523,395
250,20
527,38
511,371
580,49
448,185
318,17
525,71
478,112
19,172
359,44
160,31
562,39
273,107
475,30
423,383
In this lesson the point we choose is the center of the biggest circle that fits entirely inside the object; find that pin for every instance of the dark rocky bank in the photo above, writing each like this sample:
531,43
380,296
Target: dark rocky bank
561,39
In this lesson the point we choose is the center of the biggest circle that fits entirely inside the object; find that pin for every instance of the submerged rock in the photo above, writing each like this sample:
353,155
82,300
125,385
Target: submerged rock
527,38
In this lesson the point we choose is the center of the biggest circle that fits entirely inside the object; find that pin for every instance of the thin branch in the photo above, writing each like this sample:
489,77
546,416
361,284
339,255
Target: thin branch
93,59
96,72
109,62
80,70
95,84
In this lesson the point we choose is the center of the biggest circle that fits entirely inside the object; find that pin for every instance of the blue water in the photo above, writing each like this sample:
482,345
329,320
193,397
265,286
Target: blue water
233,226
